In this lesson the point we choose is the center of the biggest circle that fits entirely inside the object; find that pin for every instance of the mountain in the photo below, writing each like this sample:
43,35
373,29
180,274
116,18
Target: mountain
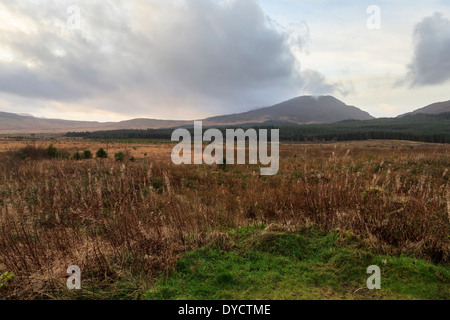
14,123
435,108
301,110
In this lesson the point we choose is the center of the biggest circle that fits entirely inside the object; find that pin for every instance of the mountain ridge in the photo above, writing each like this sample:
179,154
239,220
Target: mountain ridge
323,109
434,108
299,110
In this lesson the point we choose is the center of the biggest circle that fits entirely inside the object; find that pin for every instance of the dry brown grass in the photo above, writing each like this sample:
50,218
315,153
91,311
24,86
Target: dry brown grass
155,151
113,219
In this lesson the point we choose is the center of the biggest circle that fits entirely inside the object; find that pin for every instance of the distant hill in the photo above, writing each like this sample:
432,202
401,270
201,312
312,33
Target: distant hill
435,108
301,110
14,123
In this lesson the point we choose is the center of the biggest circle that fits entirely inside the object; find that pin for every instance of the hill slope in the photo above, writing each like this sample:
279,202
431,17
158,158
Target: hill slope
435,108
301,110
14,123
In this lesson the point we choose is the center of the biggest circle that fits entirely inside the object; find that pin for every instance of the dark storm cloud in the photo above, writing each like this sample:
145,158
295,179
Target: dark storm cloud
431,62
203,53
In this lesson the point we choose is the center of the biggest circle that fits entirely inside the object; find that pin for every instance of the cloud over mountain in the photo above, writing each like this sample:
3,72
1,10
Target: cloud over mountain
146,56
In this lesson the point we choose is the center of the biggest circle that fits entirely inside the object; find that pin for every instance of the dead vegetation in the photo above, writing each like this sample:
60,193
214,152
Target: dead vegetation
114,219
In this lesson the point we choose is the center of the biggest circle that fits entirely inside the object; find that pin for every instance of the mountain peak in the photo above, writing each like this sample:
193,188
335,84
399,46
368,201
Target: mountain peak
298,110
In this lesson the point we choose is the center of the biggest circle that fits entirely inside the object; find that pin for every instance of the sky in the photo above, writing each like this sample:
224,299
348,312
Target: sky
112,60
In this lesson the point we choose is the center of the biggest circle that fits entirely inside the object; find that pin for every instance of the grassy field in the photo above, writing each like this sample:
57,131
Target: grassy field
259,264
147,229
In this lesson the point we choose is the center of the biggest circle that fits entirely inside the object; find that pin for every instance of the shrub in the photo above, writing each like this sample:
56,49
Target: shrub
77,156
88,154
158,183
52,151
119,156
101,153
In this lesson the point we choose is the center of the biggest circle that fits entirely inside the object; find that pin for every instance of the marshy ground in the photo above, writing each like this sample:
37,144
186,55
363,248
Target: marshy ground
147,229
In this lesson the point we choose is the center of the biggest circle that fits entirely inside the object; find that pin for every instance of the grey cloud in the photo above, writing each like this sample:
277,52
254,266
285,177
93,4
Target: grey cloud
315,83
225,52
22,81
203,53
431,62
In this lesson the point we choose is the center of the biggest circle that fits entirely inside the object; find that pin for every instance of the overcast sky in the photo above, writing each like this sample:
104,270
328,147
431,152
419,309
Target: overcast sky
110,60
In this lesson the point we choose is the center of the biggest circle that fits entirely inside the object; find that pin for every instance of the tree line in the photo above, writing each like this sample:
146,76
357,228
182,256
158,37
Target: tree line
424,128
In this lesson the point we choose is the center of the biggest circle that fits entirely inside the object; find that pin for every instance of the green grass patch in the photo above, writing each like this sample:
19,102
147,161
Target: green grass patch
301,265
